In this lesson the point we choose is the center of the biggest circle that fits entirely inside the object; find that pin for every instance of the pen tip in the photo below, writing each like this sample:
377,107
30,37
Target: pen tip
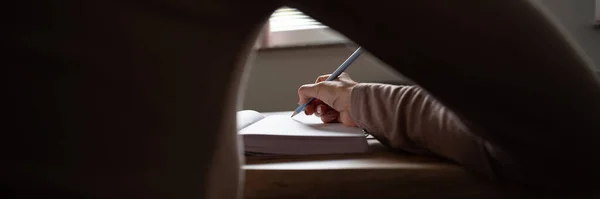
294,114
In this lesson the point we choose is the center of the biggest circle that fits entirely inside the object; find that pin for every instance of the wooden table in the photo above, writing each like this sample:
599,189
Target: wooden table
377,174
380,173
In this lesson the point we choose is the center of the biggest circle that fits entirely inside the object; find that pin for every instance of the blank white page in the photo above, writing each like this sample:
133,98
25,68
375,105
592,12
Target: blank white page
301,125
247,117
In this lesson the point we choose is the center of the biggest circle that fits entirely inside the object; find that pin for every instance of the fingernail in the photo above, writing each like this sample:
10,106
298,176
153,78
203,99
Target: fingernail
319,110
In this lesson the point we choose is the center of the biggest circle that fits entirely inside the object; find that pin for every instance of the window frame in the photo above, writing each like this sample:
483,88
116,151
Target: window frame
307,37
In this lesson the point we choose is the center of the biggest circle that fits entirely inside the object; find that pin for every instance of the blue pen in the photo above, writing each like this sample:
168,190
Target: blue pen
333,76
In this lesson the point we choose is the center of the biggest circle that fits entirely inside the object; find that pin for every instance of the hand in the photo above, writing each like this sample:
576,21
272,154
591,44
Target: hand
332,103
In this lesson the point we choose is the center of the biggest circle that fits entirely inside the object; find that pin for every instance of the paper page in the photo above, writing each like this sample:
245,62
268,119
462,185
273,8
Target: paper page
247,117
301,125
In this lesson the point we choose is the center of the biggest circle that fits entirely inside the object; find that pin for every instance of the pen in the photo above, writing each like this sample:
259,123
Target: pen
333,76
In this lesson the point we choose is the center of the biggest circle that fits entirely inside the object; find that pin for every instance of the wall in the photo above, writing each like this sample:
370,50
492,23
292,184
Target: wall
577,17
276,74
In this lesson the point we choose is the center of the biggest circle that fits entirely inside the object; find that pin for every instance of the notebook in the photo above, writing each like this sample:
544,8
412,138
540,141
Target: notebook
279,134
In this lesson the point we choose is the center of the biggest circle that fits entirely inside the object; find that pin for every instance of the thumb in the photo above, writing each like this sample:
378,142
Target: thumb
319,90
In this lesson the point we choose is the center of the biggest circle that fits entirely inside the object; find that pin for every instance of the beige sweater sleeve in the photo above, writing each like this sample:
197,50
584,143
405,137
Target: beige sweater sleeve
409,119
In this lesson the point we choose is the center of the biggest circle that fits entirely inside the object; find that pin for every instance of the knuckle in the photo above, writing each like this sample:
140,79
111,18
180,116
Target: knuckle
322,77
345,75
320,84
318,88
302,88
308,90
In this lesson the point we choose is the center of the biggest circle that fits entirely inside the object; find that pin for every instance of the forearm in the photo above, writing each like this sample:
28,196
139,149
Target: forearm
408,118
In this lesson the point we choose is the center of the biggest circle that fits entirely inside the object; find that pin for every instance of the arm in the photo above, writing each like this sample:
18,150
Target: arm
408,118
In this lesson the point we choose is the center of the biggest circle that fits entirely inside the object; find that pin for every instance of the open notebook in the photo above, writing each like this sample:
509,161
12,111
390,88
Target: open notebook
301,135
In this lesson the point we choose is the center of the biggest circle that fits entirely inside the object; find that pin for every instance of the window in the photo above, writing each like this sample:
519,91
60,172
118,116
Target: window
289,27
289,19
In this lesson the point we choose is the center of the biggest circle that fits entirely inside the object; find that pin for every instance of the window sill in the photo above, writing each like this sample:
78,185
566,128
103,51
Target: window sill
316,37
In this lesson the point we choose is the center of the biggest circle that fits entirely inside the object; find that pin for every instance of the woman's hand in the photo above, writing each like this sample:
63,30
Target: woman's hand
332,103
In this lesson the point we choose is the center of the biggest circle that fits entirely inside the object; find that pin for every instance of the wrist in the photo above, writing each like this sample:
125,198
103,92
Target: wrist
354,99
347,97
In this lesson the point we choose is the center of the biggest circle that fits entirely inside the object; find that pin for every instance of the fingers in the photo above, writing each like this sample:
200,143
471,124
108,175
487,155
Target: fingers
309,109
312,107
326,113
330,117
344,76
305,92
322,78
320,91
329,92
321,109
